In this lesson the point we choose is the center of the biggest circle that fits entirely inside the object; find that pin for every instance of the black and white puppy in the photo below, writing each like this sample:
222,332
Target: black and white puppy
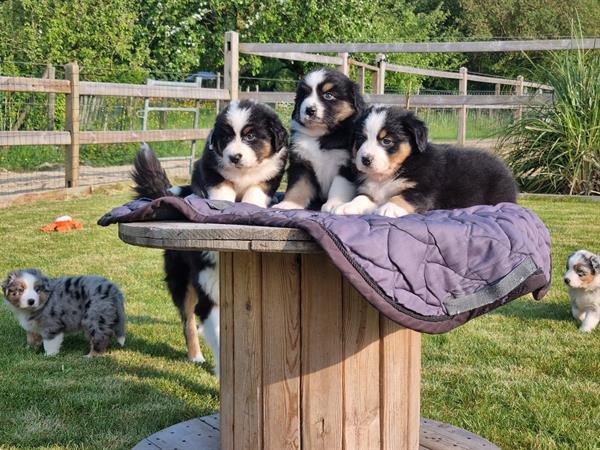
47,308
320,174
399,172
243,160
583,280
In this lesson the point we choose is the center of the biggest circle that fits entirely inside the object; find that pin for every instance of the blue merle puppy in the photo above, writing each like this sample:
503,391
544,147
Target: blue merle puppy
49,307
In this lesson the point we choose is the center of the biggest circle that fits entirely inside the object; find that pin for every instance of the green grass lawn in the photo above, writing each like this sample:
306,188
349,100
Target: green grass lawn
522,376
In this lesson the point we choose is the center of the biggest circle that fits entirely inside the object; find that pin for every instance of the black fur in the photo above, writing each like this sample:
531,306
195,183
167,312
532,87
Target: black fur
446,177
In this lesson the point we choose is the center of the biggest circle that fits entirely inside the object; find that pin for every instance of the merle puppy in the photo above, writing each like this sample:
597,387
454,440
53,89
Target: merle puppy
399,172
320,173
47,308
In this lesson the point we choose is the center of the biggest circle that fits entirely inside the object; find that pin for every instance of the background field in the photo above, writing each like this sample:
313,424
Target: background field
521,376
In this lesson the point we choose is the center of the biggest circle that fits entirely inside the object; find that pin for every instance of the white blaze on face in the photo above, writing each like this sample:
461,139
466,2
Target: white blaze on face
29,293
371,148
238,120
313,80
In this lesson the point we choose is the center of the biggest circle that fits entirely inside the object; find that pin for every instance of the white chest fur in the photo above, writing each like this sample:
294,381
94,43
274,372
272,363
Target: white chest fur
23,319
242,179
325,163
381,191
585,299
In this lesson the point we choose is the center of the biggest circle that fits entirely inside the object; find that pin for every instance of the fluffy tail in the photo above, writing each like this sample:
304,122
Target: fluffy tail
119,326
150,178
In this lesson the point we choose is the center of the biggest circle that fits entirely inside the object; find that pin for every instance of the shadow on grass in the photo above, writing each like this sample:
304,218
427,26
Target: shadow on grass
536,310
147,320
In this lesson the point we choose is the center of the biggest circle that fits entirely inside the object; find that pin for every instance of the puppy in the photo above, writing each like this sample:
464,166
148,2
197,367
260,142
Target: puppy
243,160
583,279
320,174
47,308
399,172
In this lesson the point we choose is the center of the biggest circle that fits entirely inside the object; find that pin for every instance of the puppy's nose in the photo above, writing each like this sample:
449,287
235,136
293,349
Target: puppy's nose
366,160
567,281
30,302
235,158
310,111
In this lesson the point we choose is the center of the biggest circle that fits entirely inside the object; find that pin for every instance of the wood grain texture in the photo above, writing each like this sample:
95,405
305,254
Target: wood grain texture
227,380
400,386
113,137
148,91
362,425
281,351
247,350
322,354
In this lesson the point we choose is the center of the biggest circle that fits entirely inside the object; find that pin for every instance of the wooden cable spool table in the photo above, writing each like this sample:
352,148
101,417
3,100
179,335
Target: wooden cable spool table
306,362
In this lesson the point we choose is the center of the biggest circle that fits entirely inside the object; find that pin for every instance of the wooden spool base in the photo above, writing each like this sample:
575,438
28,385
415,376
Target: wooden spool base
203,434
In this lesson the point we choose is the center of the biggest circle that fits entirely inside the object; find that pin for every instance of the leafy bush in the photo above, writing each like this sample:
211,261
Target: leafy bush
556,148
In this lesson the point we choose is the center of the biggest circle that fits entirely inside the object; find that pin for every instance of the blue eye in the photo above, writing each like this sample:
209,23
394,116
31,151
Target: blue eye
328,96
250,137
386,142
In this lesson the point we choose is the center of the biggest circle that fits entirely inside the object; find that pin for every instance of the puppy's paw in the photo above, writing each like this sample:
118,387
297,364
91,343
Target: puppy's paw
390,209
331,205
351,208
198,359
587,330
287,205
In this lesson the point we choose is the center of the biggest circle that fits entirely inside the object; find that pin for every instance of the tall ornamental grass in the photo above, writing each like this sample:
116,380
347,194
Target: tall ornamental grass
556,148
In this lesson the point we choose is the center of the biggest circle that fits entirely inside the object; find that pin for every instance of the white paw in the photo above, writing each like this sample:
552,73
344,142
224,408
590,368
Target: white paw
287,205
349,208
198,359
331,205
585,329
390,209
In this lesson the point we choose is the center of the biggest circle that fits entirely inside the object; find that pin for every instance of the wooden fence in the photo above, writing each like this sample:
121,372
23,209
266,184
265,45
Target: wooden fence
72,137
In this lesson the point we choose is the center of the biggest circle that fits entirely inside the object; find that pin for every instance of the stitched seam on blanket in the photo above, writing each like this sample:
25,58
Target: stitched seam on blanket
492,293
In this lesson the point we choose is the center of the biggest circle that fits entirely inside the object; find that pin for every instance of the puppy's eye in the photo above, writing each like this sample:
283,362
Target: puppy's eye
386,142
328,96
250,137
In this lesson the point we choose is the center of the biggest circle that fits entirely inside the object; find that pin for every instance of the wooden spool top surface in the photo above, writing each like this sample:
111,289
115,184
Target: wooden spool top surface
218,237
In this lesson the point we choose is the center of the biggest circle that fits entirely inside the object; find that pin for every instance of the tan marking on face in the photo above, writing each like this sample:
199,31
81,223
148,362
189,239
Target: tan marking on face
587,278
266,150
300,193
382,134
14,291
400,201
400,155
327,87
342,110
189,322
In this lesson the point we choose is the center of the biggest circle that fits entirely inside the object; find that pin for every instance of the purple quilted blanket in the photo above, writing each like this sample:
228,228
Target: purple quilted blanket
430,272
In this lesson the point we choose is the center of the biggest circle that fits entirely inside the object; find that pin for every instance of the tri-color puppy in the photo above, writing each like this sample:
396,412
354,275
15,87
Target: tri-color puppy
243,160
583,280
47,308
399,172
320,174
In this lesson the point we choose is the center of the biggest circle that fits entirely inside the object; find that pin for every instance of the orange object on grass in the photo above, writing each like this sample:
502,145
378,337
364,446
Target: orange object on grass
62,224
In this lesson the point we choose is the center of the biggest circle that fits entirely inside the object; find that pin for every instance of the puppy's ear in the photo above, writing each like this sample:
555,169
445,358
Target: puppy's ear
9,279
568,258
279,134
357,99
595,262
417,131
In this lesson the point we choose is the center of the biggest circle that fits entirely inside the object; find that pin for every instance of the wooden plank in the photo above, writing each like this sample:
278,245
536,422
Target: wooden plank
354,62
441,436
400,386
247,351
268,97
227,379
380,86
322,354
72,126
193,434
23,84
459,100
51,70
34,138
361,364
145,91
426,72
281,351
231,70
426,47
297,56
462,111
113,137
360,79
344,67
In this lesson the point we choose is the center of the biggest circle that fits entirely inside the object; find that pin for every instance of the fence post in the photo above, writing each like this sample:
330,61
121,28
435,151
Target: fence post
231,73
344,67
380,89
360,79
519,92
497,89
72,126
51,70
218,103
462,111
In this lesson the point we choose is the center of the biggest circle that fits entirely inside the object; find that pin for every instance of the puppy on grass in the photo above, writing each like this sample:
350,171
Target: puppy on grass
583,279
47,308
400,172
